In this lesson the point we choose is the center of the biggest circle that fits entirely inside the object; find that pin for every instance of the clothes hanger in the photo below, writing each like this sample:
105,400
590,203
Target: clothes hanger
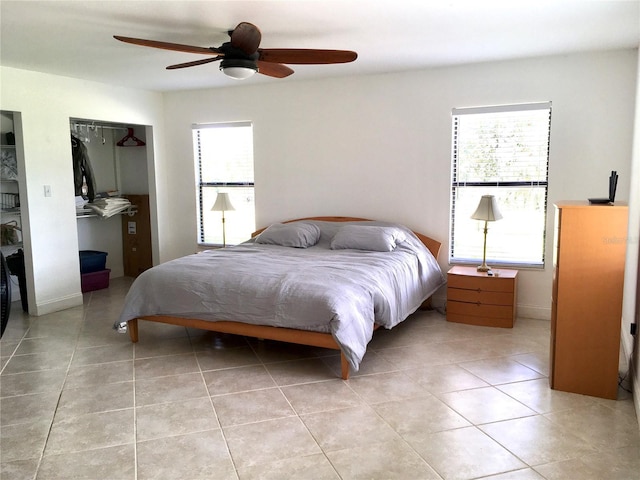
130,136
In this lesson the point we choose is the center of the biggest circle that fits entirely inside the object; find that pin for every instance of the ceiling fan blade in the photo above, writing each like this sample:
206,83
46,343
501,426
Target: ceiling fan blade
304,56
194,63
169,46
246,37
276,70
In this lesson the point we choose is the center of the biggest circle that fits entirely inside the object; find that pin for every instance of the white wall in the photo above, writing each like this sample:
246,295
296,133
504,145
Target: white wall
379,146
631,299
46,103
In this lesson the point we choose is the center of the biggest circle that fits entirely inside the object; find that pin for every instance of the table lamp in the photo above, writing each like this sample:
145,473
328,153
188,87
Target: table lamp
488,211
223,204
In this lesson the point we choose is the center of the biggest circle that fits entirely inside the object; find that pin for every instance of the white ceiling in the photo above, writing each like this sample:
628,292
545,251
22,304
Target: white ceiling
75,38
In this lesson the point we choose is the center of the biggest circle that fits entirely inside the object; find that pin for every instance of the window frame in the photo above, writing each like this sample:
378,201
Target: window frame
488,187
221,186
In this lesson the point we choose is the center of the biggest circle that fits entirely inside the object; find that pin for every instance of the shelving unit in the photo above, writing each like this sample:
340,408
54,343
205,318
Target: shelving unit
10,199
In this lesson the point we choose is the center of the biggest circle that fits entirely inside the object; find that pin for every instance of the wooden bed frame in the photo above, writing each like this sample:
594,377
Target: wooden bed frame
301,337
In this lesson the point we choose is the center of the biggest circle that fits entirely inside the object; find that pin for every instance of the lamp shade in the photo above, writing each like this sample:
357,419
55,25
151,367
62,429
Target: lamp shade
223,204
487,209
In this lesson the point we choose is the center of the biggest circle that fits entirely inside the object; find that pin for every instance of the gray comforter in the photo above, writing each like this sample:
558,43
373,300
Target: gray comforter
342,292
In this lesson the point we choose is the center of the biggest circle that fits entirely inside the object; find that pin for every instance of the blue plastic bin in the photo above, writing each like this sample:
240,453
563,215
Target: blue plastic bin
92,261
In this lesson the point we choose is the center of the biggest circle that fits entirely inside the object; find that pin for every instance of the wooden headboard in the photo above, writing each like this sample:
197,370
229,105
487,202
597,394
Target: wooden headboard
432,245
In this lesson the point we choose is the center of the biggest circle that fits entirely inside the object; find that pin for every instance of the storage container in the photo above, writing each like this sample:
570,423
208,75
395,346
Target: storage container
92,261
95,280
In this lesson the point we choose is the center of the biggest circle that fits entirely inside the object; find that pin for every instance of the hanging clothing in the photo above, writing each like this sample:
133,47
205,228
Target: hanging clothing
82,171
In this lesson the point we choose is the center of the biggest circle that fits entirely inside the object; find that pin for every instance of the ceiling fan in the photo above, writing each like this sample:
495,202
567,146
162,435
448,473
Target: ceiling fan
240,57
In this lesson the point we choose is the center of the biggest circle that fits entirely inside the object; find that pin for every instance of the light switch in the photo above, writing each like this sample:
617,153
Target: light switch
131,228
47,190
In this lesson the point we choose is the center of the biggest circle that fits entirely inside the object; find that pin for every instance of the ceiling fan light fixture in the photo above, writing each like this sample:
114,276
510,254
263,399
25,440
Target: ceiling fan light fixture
238,69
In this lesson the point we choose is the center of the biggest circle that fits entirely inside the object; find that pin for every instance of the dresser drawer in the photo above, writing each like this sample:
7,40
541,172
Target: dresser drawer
480,310
479,296
475,298
486,284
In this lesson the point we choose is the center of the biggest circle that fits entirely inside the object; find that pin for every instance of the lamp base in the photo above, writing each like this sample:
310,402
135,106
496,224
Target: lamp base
483,268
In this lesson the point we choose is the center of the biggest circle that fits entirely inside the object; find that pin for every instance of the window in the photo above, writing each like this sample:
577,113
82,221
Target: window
224,163
501,151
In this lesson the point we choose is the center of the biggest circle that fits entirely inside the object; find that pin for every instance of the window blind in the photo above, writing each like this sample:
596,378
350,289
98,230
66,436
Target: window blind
223,154
501,151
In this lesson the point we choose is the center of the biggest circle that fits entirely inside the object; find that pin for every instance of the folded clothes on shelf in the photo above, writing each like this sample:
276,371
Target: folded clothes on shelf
107,207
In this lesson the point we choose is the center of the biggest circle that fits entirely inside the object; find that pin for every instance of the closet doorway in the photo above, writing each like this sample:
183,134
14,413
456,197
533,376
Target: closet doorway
116,172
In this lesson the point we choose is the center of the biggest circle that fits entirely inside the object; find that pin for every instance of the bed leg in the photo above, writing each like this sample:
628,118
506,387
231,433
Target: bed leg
132,326
426,305
344,366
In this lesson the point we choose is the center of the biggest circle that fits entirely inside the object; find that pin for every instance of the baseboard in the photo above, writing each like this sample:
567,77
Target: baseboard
532,311
56,305
635,387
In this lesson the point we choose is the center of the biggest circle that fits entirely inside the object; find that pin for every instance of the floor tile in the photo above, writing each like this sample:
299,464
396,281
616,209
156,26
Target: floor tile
266,442
321,396
30,408
191,456
314,466
91,431
252,406
445,378
176,418
46,344
99,374
166,365
336,429
162,347
94,399
116,462
537,361
485,405
241,379
384,387
464,453
420,415
600,426
500,370
37,361
391,460
226,358
23,441
170,389
32,382
19,469
537,395
619,464
300,371
102,354
536,440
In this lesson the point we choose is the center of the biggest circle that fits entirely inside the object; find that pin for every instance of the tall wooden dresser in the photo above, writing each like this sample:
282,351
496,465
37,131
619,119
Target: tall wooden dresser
136,237
589,255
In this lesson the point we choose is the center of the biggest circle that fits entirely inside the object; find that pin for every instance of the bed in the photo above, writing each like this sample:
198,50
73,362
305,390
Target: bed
319,281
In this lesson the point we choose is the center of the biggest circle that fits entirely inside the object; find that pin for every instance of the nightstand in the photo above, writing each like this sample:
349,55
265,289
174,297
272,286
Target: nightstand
475,298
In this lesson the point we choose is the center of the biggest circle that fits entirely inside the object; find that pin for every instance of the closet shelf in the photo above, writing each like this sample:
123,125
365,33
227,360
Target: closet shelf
88,213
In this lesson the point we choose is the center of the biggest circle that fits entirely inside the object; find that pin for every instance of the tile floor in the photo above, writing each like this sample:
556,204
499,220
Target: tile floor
434,400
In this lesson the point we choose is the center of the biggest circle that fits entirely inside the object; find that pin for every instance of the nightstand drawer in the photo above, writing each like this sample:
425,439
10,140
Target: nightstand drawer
479,296
479,310
475,298
486,284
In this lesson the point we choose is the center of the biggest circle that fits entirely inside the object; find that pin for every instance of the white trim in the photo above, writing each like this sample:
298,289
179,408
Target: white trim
501,108
57,305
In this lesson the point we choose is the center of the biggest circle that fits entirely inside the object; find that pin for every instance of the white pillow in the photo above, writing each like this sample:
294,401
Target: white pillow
296,234
366,237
